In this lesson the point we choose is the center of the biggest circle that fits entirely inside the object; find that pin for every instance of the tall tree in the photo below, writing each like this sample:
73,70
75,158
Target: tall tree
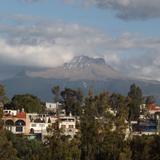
61,147
29,102
89,131
56,93
72,100
2,94
7,151
28,149
136,99
2,90
150,100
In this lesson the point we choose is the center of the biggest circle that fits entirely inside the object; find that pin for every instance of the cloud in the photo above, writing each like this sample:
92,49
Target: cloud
43,44
145,66
33,42
129,9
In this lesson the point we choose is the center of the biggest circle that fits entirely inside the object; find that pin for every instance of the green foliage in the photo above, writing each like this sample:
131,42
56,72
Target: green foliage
102,103
150,100
99,141
1,121
29,102
61,147
7,151
3,98
136,99
146,148
101,136
72,100
89,131
56,93
2,90
27,149
126,153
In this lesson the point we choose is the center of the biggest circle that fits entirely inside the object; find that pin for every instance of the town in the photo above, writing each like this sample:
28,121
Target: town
40,125
96,127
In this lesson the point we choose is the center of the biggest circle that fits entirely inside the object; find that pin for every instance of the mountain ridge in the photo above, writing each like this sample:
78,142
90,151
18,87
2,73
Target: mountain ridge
80,67
84,73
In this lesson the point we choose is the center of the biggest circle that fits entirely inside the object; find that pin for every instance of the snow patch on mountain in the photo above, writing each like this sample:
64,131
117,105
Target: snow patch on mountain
83,62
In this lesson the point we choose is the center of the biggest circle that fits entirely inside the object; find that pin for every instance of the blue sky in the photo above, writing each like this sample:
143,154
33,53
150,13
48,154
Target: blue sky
78,13
47,33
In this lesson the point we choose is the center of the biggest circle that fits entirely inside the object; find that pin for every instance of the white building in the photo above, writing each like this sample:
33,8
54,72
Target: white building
37,123
52,106
38,128
68,125
9,112
29,124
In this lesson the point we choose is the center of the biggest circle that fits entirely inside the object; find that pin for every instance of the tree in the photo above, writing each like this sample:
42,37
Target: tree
3,98
89,131
102,103
103,133
56,93
72,100
152,148
145,147
1,121
150,100
61,147
29,102
27,149
2,93
90,92
2,90
7,151
136,99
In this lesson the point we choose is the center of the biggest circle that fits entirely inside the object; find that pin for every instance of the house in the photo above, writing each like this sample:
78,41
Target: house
15,121
147,127
37,123
34,124
68,125
153,108
52,107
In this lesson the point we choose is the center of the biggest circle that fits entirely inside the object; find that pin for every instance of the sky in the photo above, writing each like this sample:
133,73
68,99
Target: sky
48,33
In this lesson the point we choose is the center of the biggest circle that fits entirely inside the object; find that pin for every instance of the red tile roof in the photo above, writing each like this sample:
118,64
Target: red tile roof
153,106
21,115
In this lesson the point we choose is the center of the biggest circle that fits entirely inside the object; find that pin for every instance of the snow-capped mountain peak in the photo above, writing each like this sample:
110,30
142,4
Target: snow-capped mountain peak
83,62
80,67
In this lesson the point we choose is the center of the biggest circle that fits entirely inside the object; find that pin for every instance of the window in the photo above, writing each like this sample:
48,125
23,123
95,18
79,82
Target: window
63,119
33,125
42,125
63,126
71,126
19,129
9,128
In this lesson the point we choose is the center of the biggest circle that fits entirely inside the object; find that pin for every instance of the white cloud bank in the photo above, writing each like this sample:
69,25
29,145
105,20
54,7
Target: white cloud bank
43,44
